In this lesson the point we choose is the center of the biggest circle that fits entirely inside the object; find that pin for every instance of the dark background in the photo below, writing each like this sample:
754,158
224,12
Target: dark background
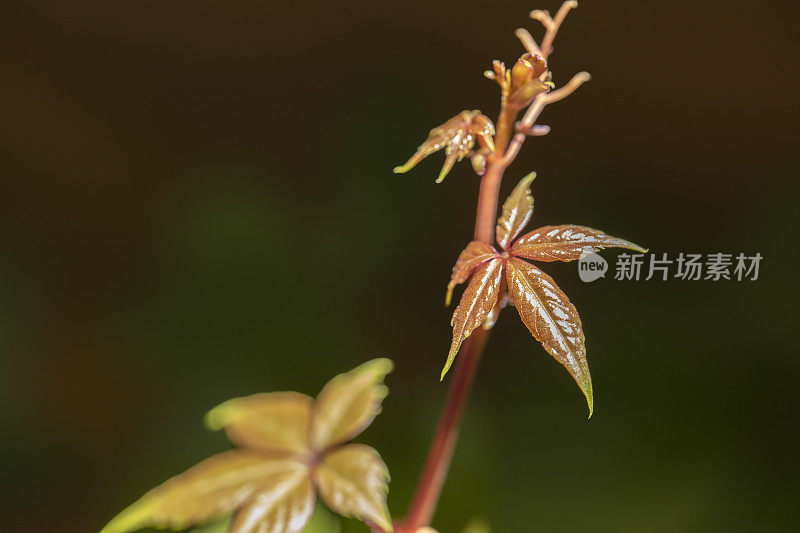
197,203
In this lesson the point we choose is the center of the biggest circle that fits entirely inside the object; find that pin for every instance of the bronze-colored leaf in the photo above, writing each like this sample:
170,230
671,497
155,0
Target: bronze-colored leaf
284,505
275,422
551,318
476,253
476,303
349,403
516,213
565,243
211,488
353,481
457,136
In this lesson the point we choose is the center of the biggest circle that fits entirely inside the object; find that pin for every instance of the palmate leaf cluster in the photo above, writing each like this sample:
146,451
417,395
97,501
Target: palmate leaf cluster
290,450
507,276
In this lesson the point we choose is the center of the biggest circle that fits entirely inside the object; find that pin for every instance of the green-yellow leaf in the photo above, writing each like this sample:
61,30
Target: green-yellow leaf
277,422
353,481
348,404
204,492
284,505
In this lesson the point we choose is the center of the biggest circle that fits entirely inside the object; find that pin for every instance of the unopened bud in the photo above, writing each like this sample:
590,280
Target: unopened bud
478,160
527,68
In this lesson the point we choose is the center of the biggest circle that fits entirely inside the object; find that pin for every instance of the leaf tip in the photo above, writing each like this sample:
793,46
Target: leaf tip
218,417
635,247
449,296
587,391
402,169
445,370
130,519
450,358
381,365
527,180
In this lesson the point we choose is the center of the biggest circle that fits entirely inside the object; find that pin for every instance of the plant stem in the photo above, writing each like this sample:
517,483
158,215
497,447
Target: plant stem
443,444
508,142
440,453
489,194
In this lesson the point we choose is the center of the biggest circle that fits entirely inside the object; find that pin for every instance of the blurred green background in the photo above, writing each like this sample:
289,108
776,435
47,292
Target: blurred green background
197,203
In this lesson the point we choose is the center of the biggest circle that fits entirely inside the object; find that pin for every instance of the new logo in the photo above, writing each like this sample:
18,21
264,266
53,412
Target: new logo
591,267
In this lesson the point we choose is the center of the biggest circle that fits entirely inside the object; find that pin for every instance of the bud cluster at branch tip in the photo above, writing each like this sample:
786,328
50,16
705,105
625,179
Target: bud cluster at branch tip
528,78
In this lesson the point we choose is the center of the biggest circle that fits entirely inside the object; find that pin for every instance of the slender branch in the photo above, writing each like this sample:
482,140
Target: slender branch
527,123
440,454
527,41
552,24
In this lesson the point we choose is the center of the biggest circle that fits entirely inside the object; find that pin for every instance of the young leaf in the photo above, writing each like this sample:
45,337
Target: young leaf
353,481
457,136
476,303
213,487
348,404
475,254
565,243
284,505
551,318
271,480
517,212
275,422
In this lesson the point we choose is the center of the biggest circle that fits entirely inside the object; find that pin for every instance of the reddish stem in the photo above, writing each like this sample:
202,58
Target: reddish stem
440,454
444,440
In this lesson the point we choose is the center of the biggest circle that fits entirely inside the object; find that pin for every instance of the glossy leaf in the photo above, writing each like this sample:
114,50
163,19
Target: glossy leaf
475,254
353,481
517,211
457,136
476,303
349,403
284,505
213,487
551,319
565,243
277,422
